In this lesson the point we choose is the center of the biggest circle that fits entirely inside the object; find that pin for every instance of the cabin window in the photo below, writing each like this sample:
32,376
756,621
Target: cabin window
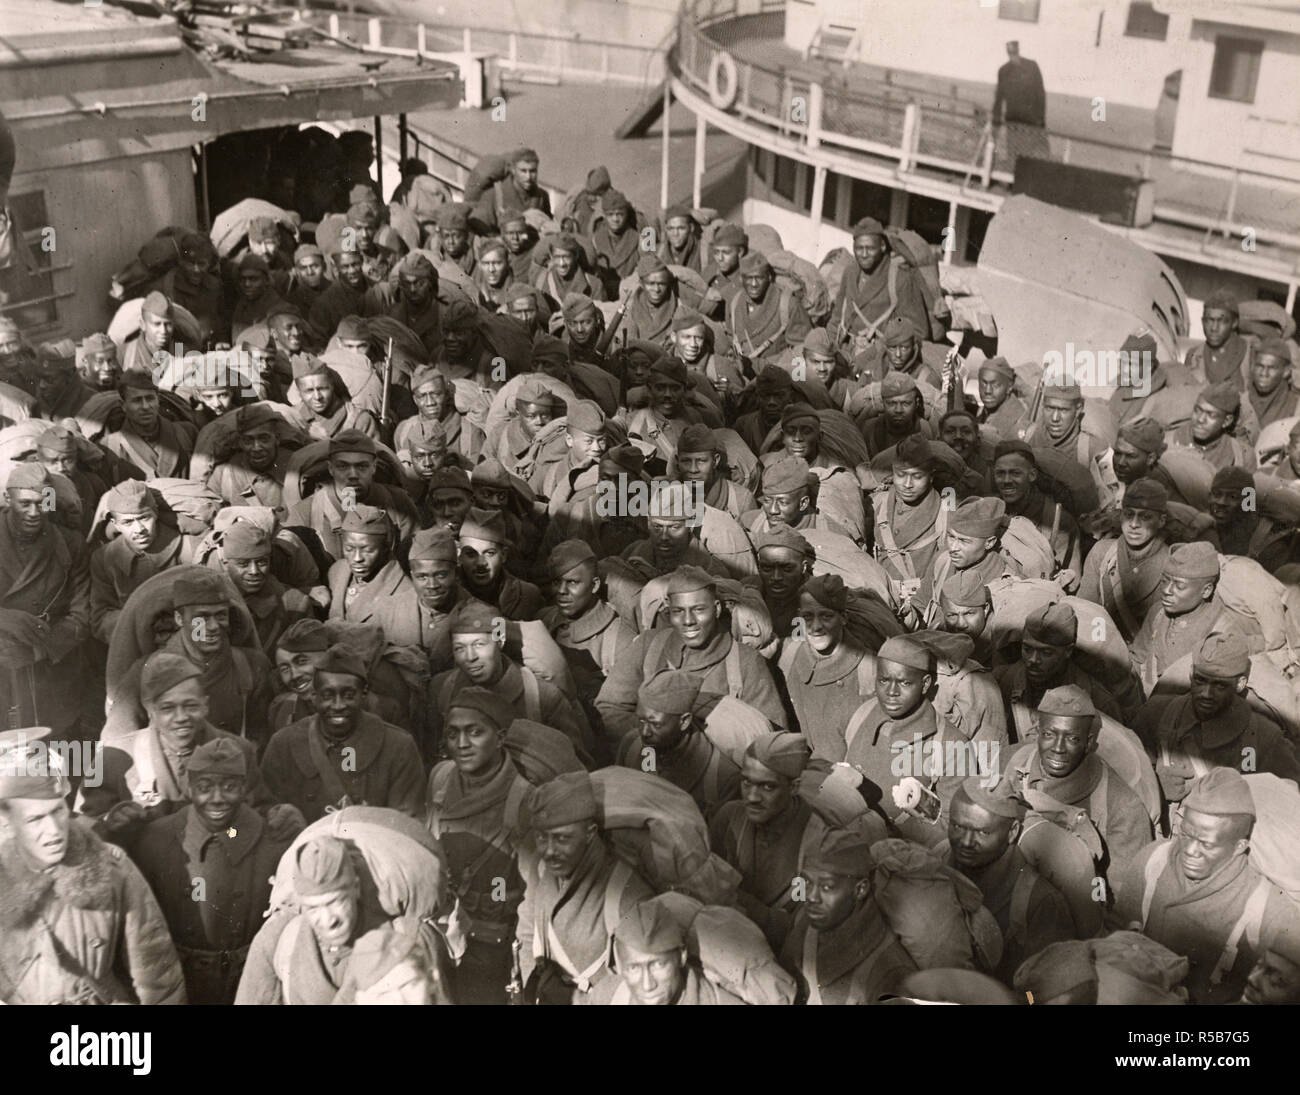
784,173
830,199
759,157
1022,11
26,277
1236,69
866,199
1145,22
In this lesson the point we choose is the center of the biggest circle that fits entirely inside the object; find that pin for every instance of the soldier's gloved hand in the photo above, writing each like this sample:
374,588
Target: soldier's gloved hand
284,821
22,628
1174,781
123,816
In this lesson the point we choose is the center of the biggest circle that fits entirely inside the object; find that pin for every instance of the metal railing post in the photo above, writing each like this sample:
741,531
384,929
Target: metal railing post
334,25
815,103
697,176
909,128
1231,211
421,39
986,170
663,162
374,33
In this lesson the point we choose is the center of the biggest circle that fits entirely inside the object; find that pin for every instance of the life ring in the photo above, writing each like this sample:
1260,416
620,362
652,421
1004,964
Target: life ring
724,80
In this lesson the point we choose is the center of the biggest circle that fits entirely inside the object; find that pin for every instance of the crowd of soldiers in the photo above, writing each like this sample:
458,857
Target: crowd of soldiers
688,619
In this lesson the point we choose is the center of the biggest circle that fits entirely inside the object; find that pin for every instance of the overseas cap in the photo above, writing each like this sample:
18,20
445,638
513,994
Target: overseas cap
843,852
1224,300
783,536
368,519
818,341
482,524
786,754
651,928
999,800
1225,656
28,768
1145,434
1195,560
245,540
474,618
978,517
433,543
1055,625
1068,700
773,378
458,314
613,200
219,757
1233,478
730,235
671,368
28,476
828,590
353,441
784,475
567,799
1221,791
321,866
163,671
896,383
57,439
339,659
491,473
1146,494
673,692
586,416
998,366
966,589
1222,396
868,226
253,415
799,412
899,331
492,706
690,579
157,305
686,318
754,265
697,437
1014,447
199,589
567,555
1274,347
904,651
304,637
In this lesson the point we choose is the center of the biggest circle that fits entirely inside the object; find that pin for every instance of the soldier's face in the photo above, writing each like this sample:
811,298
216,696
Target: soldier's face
52,382
317,392
1140,526
252,284
964,619
1267,371
55,461
900,689
481,562
431,399
339,700
652,979
193,268
205,628
802,438
976,836
1044,663
155,330
1178,596
1227,504
434,581
354,471
1212,696
900,411
782,571
678,231
39,829
563,847
364,552
911,484
961,435
756,286
525,310
1207,842
585,449
216,798
289,333
1274,980
178,714
250,575
660,729
765,793
658,288
694,616
103,370
616,220
525,175
820,366
332,916
140,409
830,898
1209,423
577,590
473,743
477,655
1060,414
349,268
564,261
966,551
494,267
217,400
459,342
772,403
669,536
1013,476
1219,325
26,511
900,353
311,271
666,396
533,416
297,668
726,256
449,507
1063,742
697,467
455,241
869,250
417,289
824,627
582,329
427,460
1130,463
515,236
994,390
265,248
491,497
260,447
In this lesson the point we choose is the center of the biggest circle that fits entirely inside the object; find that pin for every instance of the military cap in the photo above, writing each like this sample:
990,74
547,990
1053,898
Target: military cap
650,264
199,589
29,767
999,800
586,417
697,437
453,217
628,457
980,517
353,441
567,555
799,412
1233,478
353,328
57,439
965,589
896,383
998,366
1146,494
59,355
489,525
381,951
307,365
1144,434
163,671
828,590
433,543
1058,969
491,246
458,314
304,636
613,200
773,378
899,331
523,155
416,265
491,473
671,499
785,754
137,380
786,474
1069,700
368,519
245,540
690,579
98,344
307,251
687,318
1056,386
731,235
1220,792
195,245
818,341
578,306
651,928
1274,347
783,536
672,691
868,226
1195,560
339,659
253,262
451,479
156,304
474,618
1055,625
1223,396
754,264
1222,655
842,852
914,451
671,368
1223,300
258,337
254,415
129,497
1014,447
431,437
491,705
549,353
27,476
513,216
363,215
426,374
322,865
219,757
567,799
903,650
